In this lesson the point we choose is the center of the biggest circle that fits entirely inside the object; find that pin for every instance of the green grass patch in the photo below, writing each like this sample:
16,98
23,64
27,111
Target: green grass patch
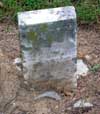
95,68
87,10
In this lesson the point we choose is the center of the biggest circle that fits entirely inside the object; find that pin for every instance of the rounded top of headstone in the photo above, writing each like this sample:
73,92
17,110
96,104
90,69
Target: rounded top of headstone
46,15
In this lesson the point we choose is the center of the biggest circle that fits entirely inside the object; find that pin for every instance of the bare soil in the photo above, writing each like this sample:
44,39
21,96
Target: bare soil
16,97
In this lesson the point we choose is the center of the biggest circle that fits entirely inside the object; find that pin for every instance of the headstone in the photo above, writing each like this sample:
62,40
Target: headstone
48,44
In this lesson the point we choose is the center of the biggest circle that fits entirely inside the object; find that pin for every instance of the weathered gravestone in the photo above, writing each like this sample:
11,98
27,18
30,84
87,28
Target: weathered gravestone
48,44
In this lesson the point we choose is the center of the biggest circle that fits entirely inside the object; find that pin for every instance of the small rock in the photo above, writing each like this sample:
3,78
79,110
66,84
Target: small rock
25,82
82,68
18,68
26,76
14,104
49,94
87,57
79,107
17,61
82,103
56,107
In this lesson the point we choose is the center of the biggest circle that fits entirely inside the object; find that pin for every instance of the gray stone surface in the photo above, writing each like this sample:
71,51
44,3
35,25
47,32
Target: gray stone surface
48,43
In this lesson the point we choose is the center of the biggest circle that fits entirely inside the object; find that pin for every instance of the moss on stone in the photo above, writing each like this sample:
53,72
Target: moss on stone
50,40
32,36
43,27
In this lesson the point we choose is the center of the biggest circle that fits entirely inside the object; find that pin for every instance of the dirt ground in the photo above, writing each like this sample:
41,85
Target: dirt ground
16,97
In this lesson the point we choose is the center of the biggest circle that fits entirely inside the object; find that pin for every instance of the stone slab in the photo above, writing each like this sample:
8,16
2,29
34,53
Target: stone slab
48,43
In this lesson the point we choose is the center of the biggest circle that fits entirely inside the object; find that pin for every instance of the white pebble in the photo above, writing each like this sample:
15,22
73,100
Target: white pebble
82,103
17,61
87,57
